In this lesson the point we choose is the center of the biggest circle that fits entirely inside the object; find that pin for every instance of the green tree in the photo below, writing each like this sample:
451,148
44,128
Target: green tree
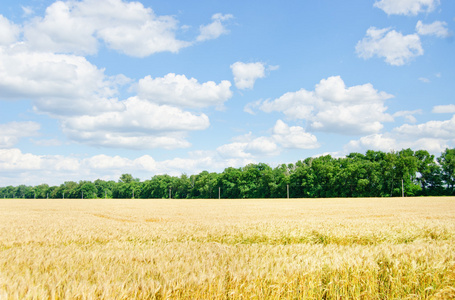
86,189
104,189
280,179
22,191
8,192
324,169
255,181
41,191
229,181
447,162
181,187
205,185
301,180
157,187
128,178
428,173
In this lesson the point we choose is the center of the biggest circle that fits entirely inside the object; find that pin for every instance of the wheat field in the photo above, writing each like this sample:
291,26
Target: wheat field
388,248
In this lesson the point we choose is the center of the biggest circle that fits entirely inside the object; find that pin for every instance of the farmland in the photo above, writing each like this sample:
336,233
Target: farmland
363,248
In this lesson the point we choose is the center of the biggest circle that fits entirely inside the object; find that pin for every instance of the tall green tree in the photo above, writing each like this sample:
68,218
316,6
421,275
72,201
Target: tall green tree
157,187
302,180
407,166
86,189
205,185
229,181
447,162
428,173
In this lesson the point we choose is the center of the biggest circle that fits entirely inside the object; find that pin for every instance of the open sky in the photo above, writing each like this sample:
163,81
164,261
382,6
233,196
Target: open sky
96,88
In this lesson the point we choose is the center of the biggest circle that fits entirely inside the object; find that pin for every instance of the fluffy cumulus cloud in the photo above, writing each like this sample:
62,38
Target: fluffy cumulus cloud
142,125
333,107
390,142
11,133
14,159
293,136
283,136
128,27
83,99
26,168
47,68
261,146
443,109
9,32
436,28
178,90
214,29
406,7
408,115
433,136
245,74
56,83
397,49
236,149
431,129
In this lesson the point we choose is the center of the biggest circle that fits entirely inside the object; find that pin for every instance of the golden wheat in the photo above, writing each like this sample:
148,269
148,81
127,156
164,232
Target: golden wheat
218,249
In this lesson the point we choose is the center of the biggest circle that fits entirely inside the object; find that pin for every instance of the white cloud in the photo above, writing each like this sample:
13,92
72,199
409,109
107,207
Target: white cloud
128,27
433,136
333,107
47,142
245,74
430,129
62,30
261,146
142,125
406,7
396,48
83,99
443,109
106,162
214,29
252,106
11,133
57,84
27,11
236,149
178,90
436,28
9,32
408,114
27,168
13,159
283,136
389,142
293,137
380,142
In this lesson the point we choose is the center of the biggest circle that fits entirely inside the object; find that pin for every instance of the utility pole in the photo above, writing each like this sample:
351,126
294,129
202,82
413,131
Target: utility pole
219,193
170,193
288,190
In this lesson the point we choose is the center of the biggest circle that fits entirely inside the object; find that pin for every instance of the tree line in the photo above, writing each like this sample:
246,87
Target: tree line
373,174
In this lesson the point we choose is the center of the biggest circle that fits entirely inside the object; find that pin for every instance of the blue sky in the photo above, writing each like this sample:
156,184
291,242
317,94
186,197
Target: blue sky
96,88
